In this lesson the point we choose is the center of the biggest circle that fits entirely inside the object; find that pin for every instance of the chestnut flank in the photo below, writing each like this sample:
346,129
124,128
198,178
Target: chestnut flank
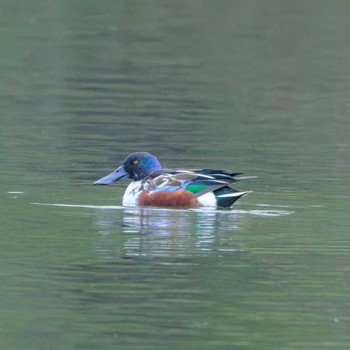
179,198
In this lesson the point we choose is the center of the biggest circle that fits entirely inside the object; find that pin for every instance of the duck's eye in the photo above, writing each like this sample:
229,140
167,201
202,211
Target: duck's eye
135,161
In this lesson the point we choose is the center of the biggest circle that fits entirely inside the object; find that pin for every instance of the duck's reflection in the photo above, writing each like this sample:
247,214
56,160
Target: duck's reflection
145,232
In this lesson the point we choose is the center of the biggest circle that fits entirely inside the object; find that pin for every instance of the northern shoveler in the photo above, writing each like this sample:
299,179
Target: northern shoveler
154,186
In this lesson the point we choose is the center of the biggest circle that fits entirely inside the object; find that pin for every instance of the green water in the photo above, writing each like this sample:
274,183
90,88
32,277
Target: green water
260,87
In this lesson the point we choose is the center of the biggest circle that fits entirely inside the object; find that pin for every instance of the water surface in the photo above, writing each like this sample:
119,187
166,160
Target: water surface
259,88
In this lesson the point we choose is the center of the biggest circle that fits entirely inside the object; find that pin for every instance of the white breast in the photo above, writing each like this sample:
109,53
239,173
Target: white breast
131,193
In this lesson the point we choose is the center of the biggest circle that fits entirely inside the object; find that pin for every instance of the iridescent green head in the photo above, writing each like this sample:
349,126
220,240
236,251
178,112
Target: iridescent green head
136,166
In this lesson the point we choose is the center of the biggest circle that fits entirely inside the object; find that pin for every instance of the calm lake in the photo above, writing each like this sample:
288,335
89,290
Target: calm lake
259,87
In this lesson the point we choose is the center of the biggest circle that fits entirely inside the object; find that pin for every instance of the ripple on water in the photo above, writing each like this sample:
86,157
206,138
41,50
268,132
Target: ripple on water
270,212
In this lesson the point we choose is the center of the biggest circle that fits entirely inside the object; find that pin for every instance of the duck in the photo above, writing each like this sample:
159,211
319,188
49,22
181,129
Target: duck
153,186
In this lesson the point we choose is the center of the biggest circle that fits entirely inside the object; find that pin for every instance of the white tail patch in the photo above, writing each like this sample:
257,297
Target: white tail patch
207,200
234,194
240,178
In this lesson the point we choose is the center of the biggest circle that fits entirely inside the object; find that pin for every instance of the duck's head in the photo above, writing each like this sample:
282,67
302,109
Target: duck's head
137,166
